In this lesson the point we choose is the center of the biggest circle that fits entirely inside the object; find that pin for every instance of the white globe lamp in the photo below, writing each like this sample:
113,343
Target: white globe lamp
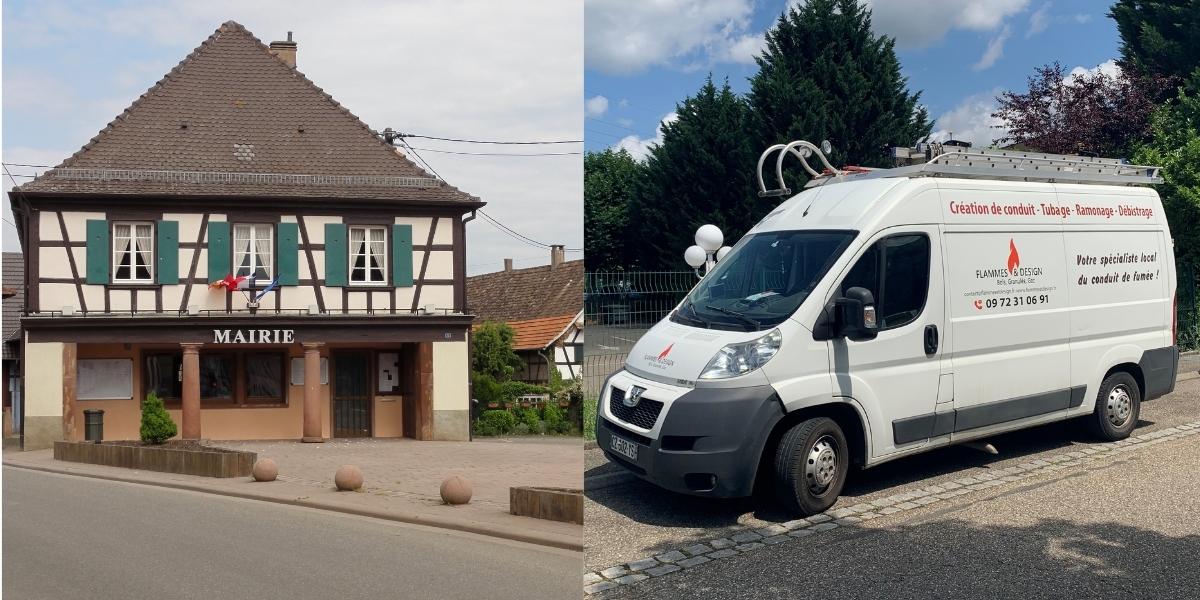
709,238
722,252
695,256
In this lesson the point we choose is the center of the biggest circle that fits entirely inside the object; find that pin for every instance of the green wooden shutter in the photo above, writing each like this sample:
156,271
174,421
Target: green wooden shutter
336,255
168,252
219,257
288,250
98,252
402,256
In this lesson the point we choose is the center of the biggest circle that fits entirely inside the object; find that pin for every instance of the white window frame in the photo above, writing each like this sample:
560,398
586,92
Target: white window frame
351,255
131,252
253,252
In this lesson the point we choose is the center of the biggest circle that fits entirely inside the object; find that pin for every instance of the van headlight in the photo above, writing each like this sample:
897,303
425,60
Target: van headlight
739,359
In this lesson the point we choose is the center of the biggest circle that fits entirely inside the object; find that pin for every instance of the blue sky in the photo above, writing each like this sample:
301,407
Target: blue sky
71,66
642,57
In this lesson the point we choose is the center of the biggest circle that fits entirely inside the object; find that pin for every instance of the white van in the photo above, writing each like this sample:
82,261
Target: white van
883,313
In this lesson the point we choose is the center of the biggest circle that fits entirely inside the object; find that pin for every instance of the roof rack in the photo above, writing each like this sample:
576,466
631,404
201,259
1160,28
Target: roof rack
943,160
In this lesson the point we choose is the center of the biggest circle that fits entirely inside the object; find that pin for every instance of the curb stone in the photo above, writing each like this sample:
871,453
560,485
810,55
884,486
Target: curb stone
750,540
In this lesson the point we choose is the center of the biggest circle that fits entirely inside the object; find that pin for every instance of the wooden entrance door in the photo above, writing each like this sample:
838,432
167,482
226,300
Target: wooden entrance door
352,394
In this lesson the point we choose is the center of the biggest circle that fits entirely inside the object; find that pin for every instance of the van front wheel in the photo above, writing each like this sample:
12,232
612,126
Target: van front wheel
810,466
1117,407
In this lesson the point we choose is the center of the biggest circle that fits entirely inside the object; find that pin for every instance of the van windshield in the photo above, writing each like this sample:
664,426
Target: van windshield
763,280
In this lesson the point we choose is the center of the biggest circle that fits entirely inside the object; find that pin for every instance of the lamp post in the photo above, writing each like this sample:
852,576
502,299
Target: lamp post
707,251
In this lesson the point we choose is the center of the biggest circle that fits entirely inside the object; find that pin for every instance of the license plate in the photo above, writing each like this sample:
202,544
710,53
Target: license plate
623,447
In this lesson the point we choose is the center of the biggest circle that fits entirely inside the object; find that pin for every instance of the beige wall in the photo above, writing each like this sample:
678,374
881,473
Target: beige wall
451,392
53,264
43,394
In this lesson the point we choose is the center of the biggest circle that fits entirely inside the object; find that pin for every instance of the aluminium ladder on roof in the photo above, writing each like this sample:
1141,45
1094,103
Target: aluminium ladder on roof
960,162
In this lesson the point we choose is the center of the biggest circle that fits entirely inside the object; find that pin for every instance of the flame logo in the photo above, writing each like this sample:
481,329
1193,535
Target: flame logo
1014,259
666,352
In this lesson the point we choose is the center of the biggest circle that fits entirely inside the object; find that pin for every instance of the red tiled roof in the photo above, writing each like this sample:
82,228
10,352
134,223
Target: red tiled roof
536,334
233,107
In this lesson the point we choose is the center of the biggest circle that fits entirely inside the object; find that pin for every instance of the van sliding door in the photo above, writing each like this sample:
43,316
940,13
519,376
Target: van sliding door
1011,332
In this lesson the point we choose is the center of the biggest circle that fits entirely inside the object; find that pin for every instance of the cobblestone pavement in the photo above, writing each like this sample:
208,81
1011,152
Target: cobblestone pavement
636,532
414,471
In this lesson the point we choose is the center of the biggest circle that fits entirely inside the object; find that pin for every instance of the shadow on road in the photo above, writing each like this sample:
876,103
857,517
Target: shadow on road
651,505
1052,558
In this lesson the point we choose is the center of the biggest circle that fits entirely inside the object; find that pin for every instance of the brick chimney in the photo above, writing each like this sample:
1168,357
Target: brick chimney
286,51
508,265
557,255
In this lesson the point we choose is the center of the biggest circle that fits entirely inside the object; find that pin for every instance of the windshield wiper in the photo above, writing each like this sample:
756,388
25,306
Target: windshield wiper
696,316
734,313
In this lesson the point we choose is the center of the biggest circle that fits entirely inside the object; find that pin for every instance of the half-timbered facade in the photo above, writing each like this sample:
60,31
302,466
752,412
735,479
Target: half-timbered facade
243,246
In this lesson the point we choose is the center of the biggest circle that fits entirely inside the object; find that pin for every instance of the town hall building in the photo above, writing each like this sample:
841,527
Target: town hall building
246,248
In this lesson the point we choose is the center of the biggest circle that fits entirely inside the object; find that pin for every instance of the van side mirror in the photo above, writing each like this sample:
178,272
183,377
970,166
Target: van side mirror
855,315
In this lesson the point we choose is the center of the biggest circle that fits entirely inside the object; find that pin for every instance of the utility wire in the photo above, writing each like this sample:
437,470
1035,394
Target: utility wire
418,156
497,153
466,141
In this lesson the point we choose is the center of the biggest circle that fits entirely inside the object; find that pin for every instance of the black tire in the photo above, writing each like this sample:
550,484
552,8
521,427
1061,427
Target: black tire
1118,404
797,487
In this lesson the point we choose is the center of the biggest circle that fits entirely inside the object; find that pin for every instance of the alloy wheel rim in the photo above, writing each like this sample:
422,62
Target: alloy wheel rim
820,466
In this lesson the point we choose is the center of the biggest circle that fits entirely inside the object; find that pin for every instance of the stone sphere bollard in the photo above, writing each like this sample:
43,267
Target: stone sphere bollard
265,469
456,490
348,478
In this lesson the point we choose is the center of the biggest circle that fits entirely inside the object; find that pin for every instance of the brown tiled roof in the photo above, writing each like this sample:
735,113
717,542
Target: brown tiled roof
523,294
536,334
228,101
13,267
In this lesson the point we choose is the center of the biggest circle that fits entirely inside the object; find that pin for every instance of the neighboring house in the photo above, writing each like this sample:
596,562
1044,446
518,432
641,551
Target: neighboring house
544,306
14,298
235,164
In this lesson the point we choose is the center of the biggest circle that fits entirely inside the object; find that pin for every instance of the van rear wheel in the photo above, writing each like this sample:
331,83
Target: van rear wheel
811,463
1118,405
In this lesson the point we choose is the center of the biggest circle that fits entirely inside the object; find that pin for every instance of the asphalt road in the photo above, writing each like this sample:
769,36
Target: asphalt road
74,537
634,520
1126,529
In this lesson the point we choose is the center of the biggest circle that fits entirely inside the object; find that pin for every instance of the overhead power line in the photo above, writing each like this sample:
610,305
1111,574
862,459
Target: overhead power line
498,153
467,141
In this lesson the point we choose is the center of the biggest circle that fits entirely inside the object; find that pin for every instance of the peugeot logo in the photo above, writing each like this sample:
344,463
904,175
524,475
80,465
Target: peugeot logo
633,397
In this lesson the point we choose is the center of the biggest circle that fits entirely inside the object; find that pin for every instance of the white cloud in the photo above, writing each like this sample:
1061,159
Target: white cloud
971,120
744,49
993,52
629,36
595,106
1039,21
1108,67
524,63
917,24
640,147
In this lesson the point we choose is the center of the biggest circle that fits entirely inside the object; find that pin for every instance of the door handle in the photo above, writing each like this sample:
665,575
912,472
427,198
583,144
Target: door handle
931,340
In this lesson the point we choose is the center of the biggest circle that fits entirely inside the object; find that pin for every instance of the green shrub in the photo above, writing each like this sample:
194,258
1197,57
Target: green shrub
553,415
157,426
486,390
589,418
495,422
521,429
529,416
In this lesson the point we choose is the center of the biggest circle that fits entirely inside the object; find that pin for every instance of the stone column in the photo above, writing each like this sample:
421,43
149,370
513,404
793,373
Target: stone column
70,363
191,392
312,392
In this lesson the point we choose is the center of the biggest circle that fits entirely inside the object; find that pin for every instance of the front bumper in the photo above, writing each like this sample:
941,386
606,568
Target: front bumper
708,443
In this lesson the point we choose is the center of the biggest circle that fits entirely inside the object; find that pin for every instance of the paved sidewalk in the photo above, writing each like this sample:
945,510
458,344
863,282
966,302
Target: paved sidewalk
401,480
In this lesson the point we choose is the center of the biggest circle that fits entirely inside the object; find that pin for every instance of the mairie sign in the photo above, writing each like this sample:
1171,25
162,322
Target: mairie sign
253,336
